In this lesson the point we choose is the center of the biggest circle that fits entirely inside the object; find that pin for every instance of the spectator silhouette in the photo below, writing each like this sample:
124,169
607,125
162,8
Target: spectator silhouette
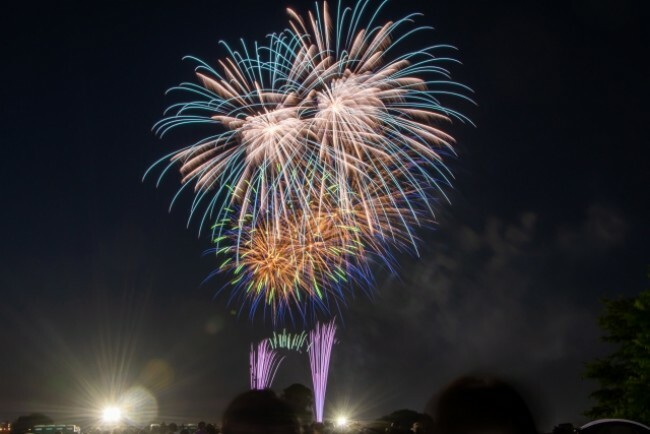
424,425
480,405
201,428
259,412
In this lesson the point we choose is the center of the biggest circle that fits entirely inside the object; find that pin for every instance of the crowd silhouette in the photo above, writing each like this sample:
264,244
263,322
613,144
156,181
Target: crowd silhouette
468,405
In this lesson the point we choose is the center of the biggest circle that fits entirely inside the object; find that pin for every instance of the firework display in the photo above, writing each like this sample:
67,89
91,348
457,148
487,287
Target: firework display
321,341
264,363
326,155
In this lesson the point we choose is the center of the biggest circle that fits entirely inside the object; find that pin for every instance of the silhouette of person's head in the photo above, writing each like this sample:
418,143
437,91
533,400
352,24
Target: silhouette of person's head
424,425
259,411
480,405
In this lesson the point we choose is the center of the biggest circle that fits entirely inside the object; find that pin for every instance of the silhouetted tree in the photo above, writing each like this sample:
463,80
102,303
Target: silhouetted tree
25,423
624,375
402,420
301,399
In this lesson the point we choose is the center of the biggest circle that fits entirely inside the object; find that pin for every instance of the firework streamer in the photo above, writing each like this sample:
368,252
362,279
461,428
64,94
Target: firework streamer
288,341
264,363
321,340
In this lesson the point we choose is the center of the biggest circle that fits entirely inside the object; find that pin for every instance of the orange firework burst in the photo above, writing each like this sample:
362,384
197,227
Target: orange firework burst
314,251
311,255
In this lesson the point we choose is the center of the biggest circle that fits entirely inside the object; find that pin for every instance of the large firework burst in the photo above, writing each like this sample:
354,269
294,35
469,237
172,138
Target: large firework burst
327,150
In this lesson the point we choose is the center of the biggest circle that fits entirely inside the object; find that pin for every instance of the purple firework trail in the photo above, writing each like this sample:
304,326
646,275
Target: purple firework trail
320,350
264,363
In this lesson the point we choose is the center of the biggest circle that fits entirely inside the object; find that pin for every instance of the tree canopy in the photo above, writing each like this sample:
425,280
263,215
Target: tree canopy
25,423
404,419
301,399
624,375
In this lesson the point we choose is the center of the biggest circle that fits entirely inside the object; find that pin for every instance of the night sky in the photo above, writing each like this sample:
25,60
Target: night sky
102,287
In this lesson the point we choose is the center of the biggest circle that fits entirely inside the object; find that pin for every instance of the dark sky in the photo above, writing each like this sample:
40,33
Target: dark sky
102,287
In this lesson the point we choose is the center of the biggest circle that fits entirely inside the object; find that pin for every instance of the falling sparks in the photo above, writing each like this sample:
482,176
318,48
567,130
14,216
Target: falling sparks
264,363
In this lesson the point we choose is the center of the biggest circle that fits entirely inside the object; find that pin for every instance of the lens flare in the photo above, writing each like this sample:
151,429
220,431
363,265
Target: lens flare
111,415
341,422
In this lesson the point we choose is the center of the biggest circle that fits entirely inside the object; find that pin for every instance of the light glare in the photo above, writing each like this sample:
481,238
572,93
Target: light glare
111,415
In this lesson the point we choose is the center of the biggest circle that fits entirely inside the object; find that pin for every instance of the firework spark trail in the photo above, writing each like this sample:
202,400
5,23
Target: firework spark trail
312,105
288,341
264,363
261,131
321,340
372,112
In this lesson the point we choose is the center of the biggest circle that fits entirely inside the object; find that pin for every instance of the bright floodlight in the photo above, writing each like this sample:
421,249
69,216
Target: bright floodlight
341,421
111,415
